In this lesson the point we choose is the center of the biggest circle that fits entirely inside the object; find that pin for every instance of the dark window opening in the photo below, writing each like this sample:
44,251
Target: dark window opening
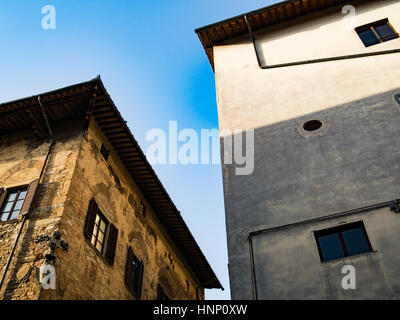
104,152
312,125
161,294
134,273
142,208
376,32
13,203
342,241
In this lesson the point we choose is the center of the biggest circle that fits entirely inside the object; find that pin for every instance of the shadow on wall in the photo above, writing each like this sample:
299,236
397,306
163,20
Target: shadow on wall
351,161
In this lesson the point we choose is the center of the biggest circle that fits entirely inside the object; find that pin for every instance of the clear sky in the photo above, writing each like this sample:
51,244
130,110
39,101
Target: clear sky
155,70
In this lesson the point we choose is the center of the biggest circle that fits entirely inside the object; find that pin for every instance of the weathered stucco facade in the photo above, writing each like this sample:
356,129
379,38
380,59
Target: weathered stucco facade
75,173
310,67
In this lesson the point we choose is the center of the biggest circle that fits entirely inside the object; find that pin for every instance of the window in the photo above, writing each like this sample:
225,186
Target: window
134,273
160,294
142,208
100,233
343,241
376,32
104,152
13,203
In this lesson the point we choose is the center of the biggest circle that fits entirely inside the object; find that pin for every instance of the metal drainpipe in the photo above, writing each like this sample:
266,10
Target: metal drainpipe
253,269
253,39
25,216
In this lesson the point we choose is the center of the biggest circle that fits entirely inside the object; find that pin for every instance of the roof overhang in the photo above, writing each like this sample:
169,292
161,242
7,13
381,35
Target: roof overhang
219,32
73,102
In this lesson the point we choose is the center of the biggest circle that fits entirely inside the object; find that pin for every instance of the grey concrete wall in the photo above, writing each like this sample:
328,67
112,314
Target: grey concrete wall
288,261
353,161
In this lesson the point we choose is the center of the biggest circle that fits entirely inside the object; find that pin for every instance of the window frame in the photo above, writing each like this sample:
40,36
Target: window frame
105,234
132,257
4,201
339,230
109,246
372,26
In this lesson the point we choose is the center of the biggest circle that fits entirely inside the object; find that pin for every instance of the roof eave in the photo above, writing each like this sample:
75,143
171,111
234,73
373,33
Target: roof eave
202,271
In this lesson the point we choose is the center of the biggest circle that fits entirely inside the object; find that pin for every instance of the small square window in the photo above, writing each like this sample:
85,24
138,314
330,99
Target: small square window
104,152
376,32
343,241
13,203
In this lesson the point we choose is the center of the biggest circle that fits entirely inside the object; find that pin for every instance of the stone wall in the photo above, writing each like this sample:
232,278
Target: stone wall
75,173
83,273
21,159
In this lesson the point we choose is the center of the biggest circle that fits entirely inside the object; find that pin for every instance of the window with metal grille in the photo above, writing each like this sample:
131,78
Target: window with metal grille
342,241
13,203
376,32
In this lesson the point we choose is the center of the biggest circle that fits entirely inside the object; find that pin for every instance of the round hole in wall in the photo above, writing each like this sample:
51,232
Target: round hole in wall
312,125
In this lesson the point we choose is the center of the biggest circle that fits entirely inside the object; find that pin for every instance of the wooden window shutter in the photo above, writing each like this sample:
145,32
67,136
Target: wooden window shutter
111,244
30,194
129,267
90,218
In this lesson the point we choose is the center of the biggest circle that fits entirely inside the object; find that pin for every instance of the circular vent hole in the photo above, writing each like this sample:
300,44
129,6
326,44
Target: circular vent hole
312,125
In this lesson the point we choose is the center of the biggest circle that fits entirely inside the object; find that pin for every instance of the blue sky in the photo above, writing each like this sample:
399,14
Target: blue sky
154,68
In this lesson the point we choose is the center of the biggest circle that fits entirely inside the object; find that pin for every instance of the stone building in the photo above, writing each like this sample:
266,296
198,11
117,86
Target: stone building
78,197
319,83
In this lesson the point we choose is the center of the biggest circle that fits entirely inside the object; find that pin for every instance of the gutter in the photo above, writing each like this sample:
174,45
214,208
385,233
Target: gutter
242,16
